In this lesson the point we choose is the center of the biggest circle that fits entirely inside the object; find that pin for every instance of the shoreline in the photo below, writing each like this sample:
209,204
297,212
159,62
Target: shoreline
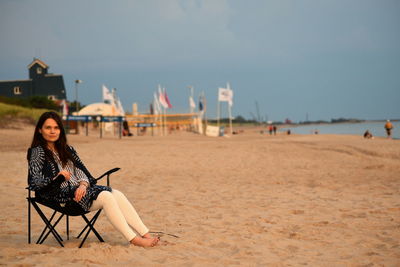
356,129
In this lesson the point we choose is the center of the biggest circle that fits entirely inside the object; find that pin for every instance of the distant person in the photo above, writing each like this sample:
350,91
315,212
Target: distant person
125,129
270,129
143,130
388,128
274,129
367,135
288,132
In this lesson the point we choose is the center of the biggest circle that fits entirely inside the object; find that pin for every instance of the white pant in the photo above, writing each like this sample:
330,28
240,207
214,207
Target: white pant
120,213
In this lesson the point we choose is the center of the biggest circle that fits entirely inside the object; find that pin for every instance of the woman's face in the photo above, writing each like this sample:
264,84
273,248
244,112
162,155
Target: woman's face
50,130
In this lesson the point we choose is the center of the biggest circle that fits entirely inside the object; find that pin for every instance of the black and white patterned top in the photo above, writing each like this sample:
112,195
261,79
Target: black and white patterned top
77,175
42,178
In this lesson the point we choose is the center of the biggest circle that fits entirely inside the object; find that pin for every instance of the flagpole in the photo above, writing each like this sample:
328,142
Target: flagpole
159,122
165,112
205,112
162,121
192,109
230,118
218,112
165,122
201,112
159,114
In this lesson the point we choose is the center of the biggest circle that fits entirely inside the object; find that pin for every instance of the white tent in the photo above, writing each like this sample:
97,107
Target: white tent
99,109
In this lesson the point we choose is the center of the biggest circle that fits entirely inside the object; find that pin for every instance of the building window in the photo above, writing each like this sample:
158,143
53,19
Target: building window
39,70
52,97
17,90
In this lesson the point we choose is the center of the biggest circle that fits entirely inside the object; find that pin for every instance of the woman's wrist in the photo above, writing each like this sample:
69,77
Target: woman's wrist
84,184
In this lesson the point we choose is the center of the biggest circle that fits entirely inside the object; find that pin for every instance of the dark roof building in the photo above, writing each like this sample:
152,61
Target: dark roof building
40,83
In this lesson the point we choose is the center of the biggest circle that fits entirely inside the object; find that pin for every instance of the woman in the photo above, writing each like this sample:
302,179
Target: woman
56,173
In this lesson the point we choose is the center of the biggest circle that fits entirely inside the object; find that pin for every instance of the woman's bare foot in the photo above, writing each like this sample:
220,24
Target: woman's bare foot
144,241
147,235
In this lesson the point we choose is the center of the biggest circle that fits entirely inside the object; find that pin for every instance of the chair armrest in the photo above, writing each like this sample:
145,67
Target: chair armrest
107,173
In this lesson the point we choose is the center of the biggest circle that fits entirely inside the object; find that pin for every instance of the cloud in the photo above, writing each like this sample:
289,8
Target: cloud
134,33
26,31
346,47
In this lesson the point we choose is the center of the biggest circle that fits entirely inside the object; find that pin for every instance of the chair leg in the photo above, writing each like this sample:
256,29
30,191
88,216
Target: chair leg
67,222
54,227
90,224
45,228
48,225
92,221
29,220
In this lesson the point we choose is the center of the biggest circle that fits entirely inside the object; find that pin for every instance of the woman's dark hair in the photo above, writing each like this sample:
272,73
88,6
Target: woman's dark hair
60,145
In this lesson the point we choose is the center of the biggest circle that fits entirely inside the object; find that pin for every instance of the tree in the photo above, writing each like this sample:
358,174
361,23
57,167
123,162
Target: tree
72,106
240,119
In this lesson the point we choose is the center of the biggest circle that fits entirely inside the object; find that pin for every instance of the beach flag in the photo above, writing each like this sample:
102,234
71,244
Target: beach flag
156,104
202,103
107,96
120,108
230,101
161,98
191,102
225,95
64,107
167,99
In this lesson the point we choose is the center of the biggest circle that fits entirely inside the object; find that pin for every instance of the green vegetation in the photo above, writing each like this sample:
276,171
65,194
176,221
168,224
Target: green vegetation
31,102
72,106
24,109
238,121
9,113
351,120
339,120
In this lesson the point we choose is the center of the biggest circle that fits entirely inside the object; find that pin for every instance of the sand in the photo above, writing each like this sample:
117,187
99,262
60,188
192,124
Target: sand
249,200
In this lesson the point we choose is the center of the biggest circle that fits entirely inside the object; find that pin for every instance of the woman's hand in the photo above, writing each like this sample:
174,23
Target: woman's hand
80,192
66,174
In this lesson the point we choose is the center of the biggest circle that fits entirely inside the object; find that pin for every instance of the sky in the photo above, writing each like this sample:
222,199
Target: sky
315,59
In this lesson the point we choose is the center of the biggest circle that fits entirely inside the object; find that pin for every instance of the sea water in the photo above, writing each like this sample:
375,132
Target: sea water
376,128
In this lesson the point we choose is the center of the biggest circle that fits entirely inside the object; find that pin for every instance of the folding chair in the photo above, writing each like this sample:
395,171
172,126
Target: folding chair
51,227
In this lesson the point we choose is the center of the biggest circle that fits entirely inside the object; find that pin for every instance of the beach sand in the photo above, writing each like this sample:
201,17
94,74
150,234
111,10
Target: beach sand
250,200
